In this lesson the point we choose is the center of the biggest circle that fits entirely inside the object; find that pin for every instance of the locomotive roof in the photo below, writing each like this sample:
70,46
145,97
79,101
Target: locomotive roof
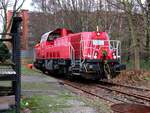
56,31
59,31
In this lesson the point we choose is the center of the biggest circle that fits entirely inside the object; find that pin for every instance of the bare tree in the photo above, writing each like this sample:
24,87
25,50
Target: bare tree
128,7
5,4
145,12
123,19
74,14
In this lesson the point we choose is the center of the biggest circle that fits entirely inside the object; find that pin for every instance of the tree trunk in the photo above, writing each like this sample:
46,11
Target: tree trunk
135,44
148,29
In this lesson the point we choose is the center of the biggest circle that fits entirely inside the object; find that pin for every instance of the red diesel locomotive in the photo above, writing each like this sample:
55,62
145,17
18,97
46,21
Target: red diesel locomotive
88,54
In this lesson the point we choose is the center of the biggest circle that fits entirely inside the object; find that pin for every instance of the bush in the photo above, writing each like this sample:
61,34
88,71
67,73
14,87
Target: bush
4,52
144,64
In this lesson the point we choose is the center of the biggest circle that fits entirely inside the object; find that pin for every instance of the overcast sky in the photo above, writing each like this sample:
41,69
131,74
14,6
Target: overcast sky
27,5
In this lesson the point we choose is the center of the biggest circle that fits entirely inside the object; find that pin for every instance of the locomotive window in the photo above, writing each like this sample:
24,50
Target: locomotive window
56,35
50,38
44,37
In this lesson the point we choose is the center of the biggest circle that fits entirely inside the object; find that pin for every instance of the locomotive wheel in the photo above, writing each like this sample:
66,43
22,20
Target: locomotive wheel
107,71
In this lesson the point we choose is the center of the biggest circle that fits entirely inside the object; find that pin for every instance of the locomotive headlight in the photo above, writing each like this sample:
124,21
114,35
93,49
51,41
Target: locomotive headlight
95,55
114,56
98,34
89,55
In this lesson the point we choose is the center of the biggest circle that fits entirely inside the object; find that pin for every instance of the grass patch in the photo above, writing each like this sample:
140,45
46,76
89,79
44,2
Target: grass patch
47,104
26,71
35,85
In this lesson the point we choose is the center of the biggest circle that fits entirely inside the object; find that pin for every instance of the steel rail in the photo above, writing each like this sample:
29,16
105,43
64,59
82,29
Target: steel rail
96,95
88,92
122,85
125,93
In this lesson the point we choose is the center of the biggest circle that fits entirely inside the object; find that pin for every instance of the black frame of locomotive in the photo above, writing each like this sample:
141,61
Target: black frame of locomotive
15,58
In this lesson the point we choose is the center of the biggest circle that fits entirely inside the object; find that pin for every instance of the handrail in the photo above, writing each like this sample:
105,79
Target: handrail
112,44
72,53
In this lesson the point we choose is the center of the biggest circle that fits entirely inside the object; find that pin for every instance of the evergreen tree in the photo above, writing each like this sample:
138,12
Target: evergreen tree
4,52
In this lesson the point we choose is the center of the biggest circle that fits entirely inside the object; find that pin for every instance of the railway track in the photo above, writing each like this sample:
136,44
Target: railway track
129,89
127,96
78,87
123,85
143,99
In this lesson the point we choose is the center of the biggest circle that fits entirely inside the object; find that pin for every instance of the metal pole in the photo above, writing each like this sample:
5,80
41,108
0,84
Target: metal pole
16,59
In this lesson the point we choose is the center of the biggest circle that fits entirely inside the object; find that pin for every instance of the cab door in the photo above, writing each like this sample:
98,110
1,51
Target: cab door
43,44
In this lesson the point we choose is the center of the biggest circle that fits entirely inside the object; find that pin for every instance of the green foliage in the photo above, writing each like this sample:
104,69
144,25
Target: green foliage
24,103
104,53
129,65
147,78
144,64
4,52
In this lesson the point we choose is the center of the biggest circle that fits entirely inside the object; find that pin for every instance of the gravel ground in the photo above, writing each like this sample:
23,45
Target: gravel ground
61,100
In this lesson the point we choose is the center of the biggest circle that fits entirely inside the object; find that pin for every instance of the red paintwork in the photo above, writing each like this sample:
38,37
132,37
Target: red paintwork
83,43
